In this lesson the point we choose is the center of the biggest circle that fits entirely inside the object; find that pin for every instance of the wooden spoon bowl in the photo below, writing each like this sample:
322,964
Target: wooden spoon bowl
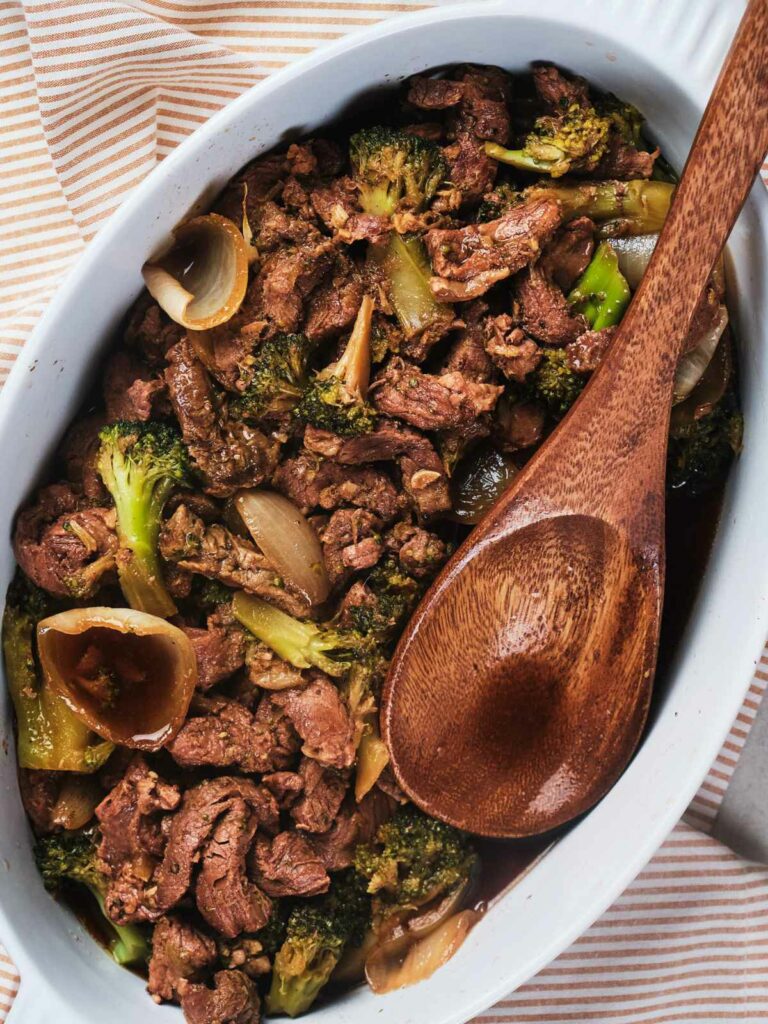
520,688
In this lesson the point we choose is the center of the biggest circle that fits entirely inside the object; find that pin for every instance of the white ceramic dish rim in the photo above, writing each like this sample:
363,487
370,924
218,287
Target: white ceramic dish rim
563,894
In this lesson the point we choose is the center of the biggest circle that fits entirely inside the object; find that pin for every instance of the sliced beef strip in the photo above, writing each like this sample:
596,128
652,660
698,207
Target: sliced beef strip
586,353
545,312
622,162
180,954
234,999
335,303
133,839
419,552
192,825
356,822
63,548
288,866
431,402
557,92
324,791
510,348
227,899
151,331
39,791
479,255
223,733
285,787
567,256
483,111
313,483
228,454
217,553
519,425
434,93
79,452
219,649
288,277
131,391
471,172
269,672
467,354
322,720
351,541
338,206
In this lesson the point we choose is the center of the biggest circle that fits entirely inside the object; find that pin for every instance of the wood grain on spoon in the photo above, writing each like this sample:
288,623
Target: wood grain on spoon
521,686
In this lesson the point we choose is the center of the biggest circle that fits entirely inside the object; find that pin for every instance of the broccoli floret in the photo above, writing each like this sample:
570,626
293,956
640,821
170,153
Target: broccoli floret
48,735
553,384
395,171
71,857
601,294
620,208
277,375
302,644
210,593
319,930
699,454
396,595
574,140
140,464
335,400
626,119
413,859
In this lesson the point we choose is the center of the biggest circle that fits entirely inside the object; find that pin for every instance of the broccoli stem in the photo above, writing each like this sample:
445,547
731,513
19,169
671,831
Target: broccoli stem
404,263
621,208
302,644
138,528
517,158
601,294
128,944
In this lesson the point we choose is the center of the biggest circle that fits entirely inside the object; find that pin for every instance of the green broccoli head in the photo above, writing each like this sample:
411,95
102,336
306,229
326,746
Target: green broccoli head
395,171
413,860
700,453
327,404
573,140
317,934
625,119
301,643
72,858
277,375
140,464
396,595
553,383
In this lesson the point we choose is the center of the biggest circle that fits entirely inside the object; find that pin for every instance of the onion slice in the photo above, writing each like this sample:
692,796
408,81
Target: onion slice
386,971
634,254
200,282
130,676
694,363
287,540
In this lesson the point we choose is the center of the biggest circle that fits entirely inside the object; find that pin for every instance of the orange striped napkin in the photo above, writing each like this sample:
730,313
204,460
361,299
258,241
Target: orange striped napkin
93,93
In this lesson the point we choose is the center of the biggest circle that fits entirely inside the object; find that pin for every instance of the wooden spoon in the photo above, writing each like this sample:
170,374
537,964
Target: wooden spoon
521,686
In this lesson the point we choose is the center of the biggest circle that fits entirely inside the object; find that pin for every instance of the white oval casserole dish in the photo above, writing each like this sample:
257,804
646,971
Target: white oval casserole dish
662,55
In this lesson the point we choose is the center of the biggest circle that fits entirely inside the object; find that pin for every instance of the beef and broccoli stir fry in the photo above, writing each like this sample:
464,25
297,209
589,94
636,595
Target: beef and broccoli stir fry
246,513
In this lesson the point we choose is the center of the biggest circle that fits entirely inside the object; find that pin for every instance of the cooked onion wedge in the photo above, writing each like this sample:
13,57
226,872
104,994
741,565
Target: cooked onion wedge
130,676
287,540
694,363
200,282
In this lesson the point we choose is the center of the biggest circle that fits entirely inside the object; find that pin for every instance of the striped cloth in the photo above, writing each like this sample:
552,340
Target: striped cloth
93,93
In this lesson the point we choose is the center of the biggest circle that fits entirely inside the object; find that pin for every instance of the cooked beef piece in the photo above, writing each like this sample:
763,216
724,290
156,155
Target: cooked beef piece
193,824
226,351
419,552
351,541
467,354
324,790
79,452
479,255
519,425
225,734
300,158
228,454
434,93
228,900
275,227
483,109
65,549
216,552
432,131
510,348
337,204
269,672
586,353
133,840
544,309
621,161
180,955
285,787
322,720
131,391
219,649
355,823
234,999
386,784
557,92
287,866
430,402
313,483
471,173
568,254
334,305
39,791
151,331
289,276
